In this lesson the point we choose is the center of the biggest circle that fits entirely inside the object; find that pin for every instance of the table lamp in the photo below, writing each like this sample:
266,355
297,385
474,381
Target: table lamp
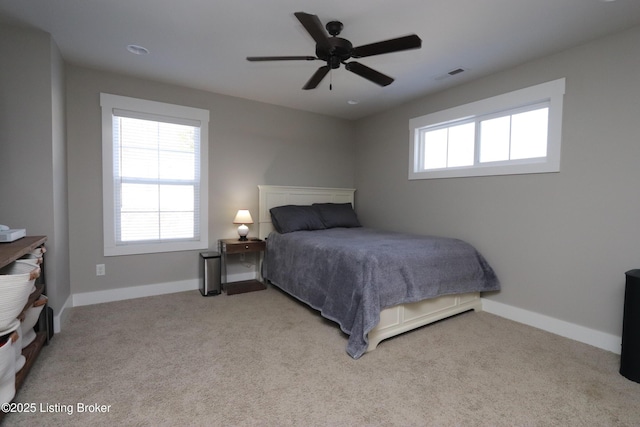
243,217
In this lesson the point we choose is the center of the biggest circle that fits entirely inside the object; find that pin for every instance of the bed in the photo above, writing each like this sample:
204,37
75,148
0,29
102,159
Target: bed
375,284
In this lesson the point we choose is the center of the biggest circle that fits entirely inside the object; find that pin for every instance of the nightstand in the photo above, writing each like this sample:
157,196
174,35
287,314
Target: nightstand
235,246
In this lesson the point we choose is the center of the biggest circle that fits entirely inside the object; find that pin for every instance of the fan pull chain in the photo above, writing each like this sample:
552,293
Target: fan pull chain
331,79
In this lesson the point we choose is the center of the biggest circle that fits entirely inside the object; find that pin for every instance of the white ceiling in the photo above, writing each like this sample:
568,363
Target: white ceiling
203,43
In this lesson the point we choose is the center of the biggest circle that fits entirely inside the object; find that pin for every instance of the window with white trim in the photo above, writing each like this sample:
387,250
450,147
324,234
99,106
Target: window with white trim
515,133
154,159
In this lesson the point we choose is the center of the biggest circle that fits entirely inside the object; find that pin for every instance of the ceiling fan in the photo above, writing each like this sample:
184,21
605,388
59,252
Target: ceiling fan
336,50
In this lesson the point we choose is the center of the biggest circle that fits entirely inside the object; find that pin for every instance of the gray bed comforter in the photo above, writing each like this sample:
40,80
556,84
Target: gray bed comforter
351,274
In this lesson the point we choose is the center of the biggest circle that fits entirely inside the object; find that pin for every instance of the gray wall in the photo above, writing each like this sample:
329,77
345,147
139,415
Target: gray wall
250,144
33,186
560,243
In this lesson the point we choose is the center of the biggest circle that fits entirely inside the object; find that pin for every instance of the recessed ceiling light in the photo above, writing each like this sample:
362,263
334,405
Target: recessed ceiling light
137,50
353,102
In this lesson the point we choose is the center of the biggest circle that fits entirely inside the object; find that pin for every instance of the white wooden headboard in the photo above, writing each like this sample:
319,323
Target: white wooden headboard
271,196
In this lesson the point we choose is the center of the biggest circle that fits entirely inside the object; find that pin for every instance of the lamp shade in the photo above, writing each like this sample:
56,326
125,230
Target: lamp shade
243,217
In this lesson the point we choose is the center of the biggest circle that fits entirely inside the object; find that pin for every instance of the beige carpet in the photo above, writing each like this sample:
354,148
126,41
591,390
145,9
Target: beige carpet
264,359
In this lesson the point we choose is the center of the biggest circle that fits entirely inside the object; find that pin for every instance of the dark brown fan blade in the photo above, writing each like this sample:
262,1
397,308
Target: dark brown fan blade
317,77
280,58
387,46
314,27
369,73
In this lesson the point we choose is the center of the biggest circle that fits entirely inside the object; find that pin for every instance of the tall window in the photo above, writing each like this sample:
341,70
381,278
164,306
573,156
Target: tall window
154,176
518,132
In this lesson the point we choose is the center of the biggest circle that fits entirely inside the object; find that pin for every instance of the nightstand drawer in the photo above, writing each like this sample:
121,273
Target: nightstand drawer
241,247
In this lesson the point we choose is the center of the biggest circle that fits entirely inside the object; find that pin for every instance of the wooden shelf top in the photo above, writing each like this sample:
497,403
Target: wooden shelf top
10,252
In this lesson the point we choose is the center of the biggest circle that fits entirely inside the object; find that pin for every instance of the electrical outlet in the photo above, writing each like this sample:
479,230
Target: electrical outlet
100,270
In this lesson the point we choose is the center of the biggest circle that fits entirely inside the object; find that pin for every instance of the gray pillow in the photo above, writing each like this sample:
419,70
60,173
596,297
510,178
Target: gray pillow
289,218
337,215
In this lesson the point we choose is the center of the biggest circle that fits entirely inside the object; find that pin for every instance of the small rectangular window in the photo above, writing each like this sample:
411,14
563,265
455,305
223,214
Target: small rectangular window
518,132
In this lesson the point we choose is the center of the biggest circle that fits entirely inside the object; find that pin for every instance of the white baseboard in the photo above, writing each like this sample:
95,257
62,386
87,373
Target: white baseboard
238,277
110,295
572,331
119,294
58,319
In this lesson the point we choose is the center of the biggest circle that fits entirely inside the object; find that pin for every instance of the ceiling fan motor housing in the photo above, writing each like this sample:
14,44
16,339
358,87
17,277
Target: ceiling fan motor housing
339,51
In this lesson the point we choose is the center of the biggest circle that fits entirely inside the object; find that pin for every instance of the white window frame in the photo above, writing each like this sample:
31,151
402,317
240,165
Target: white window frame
551,93
144,108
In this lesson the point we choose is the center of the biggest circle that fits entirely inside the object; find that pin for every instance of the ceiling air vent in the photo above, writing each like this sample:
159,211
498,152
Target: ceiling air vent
450,73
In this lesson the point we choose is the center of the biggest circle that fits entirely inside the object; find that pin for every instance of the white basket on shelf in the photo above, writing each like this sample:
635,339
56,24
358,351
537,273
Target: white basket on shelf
16,284
14,331
31,316
7,368
33,263
35,255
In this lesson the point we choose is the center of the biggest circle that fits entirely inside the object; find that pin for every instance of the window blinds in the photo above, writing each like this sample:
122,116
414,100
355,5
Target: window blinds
156,172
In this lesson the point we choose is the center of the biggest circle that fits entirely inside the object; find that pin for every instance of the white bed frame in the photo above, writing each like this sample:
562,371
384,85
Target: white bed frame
393,320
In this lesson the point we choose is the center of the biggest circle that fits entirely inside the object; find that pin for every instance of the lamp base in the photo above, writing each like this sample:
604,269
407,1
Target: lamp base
243,230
